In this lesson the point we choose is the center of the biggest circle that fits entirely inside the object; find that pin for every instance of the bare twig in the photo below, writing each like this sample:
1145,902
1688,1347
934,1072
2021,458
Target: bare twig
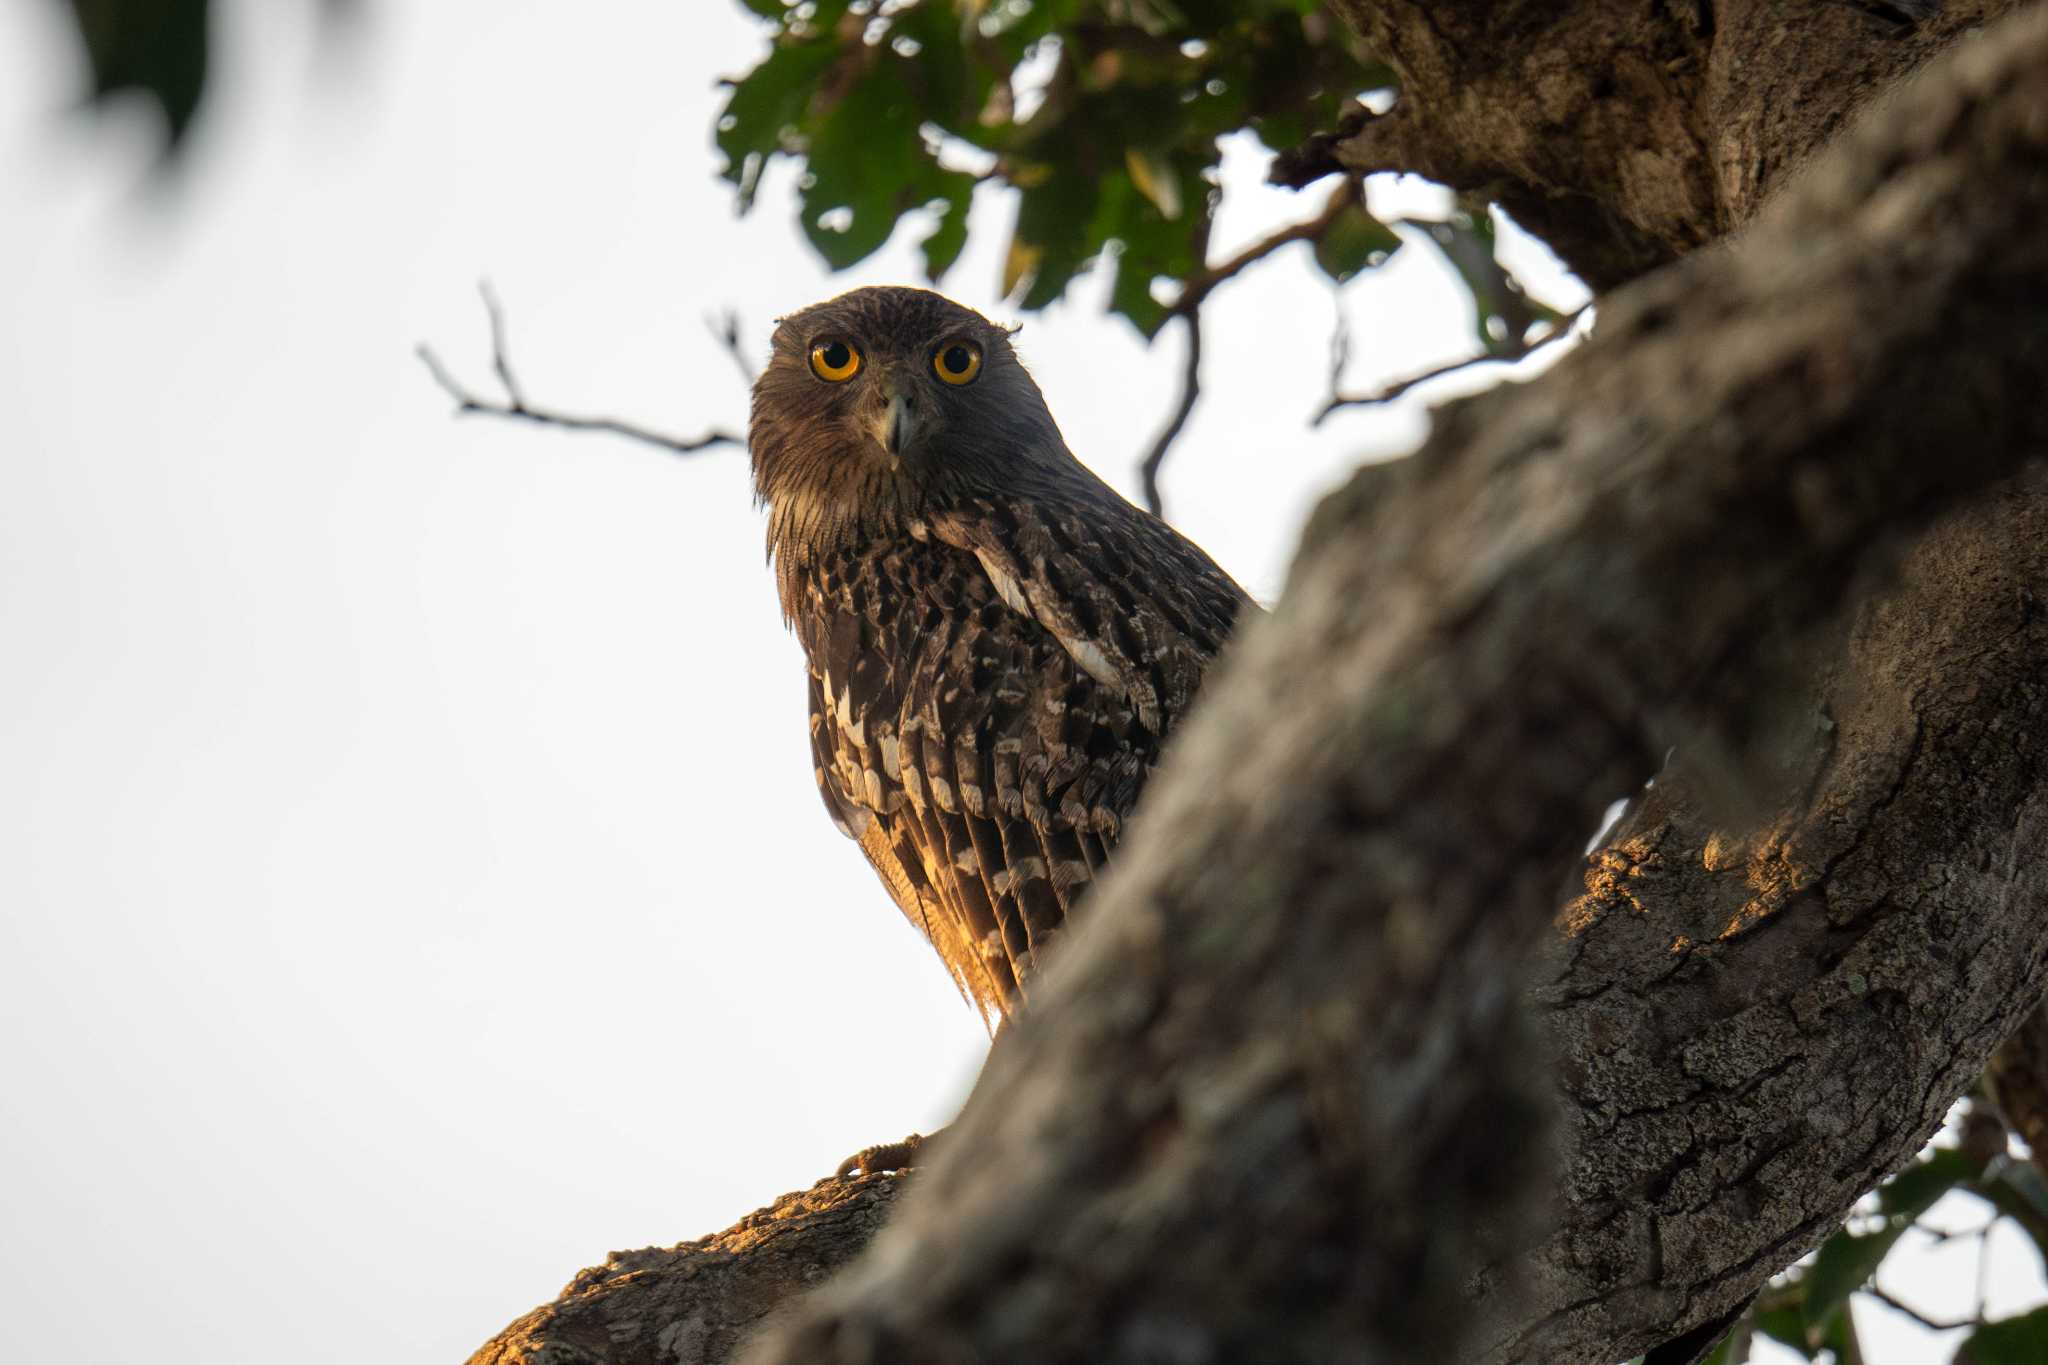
726,327
1190,391
1520,350
467,402
1188,308
501,357
1931,1324
1308,230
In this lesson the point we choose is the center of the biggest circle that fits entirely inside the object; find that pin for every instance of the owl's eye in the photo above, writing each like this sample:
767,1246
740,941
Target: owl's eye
957,362
835,361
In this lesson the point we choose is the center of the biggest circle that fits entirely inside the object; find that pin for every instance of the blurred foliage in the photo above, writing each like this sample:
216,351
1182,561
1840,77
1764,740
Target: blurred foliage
1103,115
1808,1308
157,49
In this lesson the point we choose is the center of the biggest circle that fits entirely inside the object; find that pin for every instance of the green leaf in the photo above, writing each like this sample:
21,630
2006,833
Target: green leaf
1131,296
1156,179
157,47
947,238
1785,1326
1356,241
1915,1190
765,108
2013,1341
1118,154
1052,239
1501,313
1845,1263
869,165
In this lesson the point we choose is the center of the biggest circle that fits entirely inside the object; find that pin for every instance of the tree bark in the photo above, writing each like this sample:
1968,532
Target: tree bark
694,1304
1278,1101
1625,134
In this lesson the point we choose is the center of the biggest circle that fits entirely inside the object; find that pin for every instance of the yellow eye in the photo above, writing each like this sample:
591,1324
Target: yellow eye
834,361
957,362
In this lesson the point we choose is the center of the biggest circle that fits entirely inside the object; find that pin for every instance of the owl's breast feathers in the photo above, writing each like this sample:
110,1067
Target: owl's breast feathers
988,696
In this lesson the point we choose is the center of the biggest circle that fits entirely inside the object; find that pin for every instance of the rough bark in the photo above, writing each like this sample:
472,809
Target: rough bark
695,1303
1292,1016
1289,1022
1627,134
1756,1023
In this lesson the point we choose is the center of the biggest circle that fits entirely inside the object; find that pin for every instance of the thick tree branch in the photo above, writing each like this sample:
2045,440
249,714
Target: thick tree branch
695,1303
516,407
1292,1009
1625,135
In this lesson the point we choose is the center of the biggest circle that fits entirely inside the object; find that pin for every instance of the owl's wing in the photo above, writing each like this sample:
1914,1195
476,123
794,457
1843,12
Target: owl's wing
985,741
861,783
1134,604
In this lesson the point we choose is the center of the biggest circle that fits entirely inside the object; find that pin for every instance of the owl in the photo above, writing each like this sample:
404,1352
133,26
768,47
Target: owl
999,645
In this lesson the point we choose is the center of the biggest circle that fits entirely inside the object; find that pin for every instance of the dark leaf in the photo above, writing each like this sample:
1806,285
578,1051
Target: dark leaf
1356,241
943,246
1786,1326
1914,1190
1844,1264
2013,1341
156,47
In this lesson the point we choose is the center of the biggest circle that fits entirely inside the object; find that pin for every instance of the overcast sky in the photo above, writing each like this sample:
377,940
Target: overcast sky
414,884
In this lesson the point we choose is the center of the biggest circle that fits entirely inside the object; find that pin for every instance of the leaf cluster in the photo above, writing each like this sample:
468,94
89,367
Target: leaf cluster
1103,116
1808,1309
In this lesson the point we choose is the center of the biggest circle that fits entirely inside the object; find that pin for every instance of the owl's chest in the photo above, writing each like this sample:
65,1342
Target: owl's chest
905,618
917,637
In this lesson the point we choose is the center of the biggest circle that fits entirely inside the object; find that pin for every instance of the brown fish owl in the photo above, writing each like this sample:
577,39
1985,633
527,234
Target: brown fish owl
999,644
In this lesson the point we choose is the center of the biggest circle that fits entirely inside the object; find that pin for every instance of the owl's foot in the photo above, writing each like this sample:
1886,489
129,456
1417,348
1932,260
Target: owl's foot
890,1156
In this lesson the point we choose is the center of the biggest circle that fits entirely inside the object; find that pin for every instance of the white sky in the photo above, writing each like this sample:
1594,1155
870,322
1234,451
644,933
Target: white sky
415,885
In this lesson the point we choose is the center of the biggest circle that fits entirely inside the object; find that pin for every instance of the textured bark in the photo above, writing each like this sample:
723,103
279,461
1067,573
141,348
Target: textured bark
1273,1106
695,1303
1291,1017
1627,134
1756,1024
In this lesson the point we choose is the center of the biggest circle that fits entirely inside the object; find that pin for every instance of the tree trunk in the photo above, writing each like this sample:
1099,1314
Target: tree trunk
1279,1100
1627,134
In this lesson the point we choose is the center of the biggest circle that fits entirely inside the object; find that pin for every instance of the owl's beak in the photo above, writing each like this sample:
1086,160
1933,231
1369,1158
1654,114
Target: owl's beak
895,423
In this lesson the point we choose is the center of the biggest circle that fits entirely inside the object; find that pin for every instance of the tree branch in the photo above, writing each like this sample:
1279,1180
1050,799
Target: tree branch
1931,1324
1624,135
1290,1015
1290,1011
1345,196
516,406
1516,350
1190,393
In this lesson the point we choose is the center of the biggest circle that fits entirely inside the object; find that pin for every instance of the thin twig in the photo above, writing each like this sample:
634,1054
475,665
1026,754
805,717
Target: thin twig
1190,391
1931,1324
501,355
1388,393
1188,308
1307,230
467,402
726,327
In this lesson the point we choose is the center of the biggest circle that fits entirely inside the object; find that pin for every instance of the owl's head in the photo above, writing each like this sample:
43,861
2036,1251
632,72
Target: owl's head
885,402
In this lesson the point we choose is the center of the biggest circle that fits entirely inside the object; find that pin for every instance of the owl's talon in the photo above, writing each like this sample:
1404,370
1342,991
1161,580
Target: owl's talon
887,1156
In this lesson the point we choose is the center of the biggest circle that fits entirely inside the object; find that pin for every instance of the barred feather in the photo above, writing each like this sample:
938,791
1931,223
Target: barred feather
998,644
